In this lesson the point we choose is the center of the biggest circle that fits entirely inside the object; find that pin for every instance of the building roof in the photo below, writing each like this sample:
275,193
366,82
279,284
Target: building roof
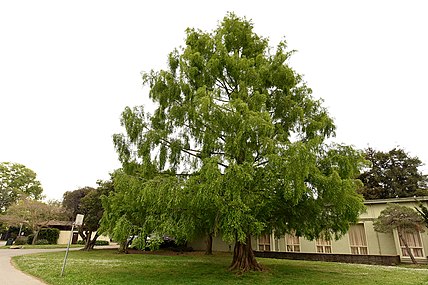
396,200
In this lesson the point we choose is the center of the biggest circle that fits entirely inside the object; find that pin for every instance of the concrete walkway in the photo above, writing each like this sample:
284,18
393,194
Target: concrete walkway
9,275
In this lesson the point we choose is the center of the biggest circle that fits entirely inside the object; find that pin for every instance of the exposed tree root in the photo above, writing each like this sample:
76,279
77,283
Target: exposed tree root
243,258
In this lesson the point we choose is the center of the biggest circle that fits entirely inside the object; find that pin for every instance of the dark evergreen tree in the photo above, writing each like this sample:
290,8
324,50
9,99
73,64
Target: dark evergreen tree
392,174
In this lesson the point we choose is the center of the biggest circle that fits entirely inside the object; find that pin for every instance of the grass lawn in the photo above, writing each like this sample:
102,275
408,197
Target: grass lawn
108,267
43,246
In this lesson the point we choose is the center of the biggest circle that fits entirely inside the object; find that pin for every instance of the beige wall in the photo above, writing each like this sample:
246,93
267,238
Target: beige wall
377,243
64,236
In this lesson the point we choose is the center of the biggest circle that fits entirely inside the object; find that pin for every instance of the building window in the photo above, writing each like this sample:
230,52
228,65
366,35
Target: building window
264,243
414,242
292,243
357,239
323,246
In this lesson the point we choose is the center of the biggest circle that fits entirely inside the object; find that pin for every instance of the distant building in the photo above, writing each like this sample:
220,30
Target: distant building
361,238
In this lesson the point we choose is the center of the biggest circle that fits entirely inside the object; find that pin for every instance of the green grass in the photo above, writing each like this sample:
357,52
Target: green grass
43,246
108,267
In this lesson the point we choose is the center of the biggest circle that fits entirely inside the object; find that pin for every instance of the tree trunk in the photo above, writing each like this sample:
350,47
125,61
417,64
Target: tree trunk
92,241
243,257
209,244
88,240
36,234
409,252
123,247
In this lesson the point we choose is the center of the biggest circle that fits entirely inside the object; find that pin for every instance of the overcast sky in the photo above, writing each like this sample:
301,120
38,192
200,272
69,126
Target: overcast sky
68,69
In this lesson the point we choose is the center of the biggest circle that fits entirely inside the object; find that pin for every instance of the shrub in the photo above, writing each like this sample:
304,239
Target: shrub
154,242
30,239
21,240
102,242
138,243
49,234
42,242
97,242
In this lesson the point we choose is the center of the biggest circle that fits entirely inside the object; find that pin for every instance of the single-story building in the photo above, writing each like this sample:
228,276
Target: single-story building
361,238
65,231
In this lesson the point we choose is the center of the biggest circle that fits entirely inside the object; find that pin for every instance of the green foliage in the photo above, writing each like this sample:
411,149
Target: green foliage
42,242
154,242
71,201
49,234
88,201
30,238
423,211
97,242
31,213
235,147
393,174
16,182
20,240
139,243
396,216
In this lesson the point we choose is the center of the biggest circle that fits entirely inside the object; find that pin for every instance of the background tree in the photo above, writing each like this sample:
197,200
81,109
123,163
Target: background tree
87,201
402,218
71,201
34,214
17,181
236,128
392,174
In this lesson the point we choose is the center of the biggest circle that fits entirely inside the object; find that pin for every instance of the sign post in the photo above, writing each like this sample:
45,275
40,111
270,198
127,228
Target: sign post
78,222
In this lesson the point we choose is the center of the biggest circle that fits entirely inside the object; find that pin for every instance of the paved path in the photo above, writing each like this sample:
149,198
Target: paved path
12,276
9,275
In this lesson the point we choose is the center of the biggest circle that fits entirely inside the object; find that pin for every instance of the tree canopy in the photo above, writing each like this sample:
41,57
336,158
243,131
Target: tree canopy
236,144
392,174
87,201
17,181
32,213
402,218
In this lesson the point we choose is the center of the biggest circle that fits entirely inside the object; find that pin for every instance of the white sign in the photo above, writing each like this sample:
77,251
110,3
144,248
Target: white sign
79,220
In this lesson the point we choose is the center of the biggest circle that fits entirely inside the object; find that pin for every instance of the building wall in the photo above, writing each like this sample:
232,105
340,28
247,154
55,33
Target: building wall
377,243
64,236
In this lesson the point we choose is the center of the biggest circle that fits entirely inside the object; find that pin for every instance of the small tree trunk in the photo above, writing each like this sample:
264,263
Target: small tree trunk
409,252
93,241
36,234
88,240
243,257
123,247
209,244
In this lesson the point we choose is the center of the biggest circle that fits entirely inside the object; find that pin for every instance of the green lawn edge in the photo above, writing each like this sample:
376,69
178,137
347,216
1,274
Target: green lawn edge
102,267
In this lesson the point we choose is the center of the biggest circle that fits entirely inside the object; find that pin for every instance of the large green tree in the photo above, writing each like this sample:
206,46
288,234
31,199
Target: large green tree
87,201
401,218
392,174
17,181
237,129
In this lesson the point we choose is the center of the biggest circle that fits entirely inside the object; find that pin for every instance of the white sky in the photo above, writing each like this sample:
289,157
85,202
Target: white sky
68,68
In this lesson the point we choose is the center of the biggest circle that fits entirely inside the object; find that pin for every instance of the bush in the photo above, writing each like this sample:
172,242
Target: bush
30,239
49,234
154,243
21,240
102,242
42,242
97,242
